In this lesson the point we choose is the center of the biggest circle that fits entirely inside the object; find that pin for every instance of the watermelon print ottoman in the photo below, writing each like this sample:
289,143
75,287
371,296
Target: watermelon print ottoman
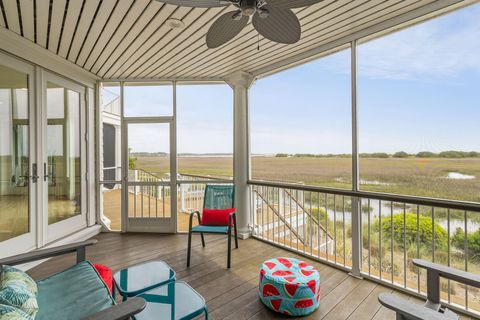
289,286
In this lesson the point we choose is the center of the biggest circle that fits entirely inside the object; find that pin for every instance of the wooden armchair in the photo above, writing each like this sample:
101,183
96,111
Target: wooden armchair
115,312
432,309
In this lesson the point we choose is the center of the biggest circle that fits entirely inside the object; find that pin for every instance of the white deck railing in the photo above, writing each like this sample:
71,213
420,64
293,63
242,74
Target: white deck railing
320,223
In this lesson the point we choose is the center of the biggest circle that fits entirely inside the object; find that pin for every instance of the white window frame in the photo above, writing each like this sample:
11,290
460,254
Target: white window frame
71,225
27,241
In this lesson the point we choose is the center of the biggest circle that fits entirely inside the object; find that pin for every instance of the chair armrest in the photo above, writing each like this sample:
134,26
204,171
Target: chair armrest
409,310
464,277
190,224
78,247
120,311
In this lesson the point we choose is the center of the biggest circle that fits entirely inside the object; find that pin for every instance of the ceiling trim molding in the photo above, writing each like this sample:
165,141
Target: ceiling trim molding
19,46
212,80
423,13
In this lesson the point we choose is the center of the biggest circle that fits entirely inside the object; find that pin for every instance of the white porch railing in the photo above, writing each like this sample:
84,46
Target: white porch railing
317,222
154,199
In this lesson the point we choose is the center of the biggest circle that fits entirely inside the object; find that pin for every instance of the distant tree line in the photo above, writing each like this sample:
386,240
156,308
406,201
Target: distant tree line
149,154
384,155
311,155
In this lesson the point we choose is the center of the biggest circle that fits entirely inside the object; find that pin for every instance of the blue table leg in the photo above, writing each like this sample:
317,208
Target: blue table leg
206,312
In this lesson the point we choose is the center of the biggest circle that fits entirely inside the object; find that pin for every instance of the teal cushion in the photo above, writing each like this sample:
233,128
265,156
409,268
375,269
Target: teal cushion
74,293
12,313
211,229
11,275
18,296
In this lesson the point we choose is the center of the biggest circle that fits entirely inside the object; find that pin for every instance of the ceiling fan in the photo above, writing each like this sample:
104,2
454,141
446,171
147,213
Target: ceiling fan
273,19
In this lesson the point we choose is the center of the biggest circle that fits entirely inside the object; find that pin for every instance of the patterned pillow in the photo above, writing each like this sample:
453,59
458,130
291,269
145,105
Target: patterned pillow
11,275
20,297
11,313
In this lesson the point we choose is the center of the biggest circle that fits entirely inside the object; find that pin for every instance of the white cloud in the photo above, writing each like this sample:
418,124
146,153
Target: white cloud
434,50
438,49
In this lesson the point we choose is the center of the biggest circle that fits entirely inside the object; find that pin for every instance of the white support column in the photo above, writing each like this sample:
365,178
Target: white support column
240,82
357,243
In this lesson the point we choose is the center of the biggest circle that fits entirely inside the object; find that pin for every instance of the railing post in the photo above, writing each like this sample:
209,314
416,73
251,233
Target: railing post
356,201
240,82
182,197
356,238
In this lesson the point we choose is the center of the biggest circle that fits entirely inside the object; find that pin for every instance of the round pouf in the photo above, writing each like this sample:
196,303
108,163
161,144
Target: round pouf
289,286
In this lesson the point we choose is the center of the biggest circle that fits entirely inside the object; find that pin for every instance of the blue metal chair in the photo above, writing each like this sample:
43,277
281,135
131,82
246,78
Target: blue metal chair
216,197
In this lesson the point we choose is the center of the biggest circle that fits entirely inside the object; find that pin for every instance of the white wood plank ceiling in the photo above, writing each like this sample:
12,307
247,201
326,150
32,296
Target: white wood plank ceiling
128,39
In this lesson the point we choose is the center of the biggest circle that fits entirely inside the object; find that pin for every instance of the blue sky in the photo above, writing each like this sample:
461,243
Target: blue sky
418,90
204,117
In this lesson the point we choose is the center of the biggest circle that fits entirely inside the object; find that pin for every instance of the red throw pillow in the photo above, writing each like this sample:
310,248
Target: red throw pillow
216,217
106,275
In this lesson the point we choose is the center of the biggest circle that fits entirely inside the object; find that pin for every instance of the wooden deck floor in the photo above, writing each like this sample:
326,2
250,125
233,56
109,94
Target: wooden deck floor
230,294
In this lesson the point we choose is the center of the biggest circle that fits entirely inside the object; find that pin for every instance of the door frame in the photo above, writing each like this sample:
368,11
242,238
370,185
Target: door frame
68,226
160,225
27,241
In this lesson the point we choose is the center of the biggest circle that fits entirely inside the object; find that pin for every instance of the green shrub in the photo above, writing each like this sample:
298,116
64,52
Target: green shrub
473,243
425,230
323,219
426,154
458,154
401,154
320,215
281,155
132,162
381,155
366,208
374,244
452,154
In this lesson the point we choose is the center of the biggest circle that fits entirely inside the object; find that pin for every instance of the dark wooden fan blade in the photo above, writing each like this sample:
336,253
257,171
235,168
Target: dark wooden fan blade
196,3
290,4
281,25
225,29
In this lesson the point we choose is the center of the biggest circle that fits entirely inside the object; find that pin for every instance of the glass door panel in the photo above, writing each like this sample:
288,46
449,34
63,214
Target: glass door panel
149,191
63,153
17,214
148,152
63,165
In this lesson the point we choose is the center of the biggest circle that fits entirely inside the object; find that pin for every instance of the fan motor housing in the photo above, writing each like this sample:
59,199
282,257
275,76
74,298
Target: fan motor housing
248,7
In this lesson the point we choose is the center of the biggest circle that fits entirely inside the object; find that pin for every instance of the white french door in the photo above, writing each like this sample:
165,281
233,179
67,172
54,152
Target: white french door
18,157
63,164
42,157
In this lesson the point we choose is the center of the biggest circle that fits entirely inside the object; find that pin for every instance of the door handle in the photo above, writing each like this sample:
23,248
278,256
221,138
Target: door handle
34,173
45,172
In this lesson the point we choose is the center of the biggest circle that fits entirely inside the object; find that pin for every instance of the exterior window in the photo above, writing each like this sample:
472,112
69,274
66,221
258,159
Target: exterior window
301,124
419,109
418,103
148,100
205,131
